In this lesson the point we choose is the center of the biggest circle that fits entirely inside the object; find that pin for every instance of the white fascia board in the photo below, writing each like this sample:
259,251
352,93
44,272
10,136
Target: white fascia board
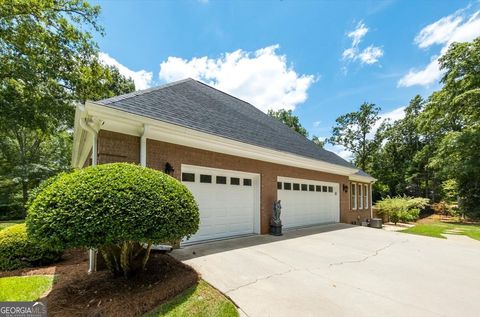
362,179
82,143
132,124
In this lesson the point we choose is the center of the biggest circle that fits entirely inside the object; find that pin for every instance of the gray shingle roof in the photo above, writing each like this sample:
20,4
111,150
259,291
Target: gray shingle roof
192,104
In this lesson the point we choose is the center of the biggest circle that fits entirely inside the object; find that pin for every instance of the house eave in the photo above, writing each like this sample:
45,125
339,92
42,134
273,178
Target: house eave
133,124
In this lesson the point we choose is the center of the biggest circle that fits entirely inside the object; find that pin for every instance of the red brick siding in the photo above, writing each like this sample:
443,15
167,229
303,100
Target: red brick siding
358,215
115,147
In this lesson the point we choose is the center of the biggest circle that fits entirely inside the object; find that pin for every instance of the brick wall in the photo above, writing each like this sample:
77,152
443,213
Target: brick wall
115,147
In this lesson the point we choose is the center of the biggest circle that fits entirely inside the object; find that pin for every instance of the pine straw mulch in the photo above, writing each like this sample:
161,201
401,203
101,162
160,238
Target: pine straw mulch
76,293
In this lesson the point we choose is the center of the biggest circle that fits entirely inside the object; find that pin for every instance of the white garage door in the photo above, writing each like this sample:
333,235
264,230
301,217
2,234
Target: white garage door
307,202
229,201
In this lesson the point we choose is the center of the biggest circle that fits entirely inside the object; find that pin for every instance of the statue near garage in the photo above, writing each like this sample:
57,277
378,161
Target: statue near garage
275,221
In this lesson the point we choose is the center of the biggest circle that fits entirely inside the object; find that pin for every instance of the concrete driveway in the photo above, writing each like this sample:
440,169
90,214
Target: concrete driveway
342,270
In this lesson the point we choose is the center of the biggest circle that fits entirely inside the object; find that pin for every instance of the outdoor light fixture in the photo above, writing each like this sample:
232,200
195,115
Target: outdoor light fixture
169,169
345,188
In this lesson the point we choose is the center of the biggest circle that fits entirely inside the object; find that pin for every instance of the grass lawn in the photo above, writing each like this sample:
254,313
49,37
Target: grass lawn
201,300
8,223
24,288
437,229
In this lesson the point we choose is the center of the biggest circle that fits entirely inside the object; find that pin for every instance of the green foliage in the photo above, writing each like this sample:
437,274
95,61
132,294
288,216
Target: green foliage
6,224
201,300
438,229
17,250
351,131
48,61
290,120
400,161
116,208
452,116
24,288
403,209
318,141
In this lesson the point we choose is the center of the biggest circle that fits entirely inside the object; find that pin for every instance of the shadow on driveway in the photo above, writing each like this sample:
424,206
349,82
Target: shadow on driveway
202,249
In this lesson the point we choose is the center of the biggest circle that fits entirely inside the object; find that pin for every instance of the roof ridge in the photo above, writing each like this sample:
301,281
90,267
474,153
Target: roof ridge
143,91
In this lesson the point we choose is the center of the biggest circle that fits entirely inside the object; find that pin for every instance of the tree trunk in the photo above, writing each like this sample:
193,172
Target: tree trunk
126,258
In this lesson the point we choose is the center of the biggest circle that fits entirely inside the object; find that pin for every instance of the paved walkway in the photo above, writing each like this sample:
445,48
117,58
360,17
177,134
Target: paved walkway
342,270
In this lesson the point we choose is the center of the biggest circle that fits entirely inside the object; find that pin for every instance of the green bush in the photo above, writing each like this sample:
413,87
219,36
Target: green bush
403,209
17,250
117,208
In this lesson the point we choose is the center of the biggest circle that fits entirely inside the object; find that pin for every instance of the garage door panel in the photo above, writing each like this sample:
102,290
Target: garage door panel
302,208
225,209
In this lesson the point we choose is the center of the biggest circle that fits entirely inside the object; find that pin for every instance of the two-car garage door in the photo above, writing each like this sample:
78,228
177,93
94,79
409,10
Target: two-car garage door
306,202
229,201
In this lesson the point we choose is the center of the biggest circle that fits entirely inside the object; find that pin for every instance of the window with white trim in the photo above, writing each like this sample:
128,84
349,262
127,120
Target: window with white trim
360,195
365,192
353,196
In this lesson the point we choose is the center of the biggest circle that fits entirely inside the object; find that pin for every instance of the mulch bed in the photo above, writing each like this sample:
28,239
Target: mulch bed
76,293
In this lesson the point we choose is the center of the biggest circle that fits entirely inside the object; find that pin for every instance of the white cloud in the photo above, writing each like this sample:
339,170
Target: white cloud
262,78
439,32
423,77
142,78
393,115
357,34
457,27
340,151
369,55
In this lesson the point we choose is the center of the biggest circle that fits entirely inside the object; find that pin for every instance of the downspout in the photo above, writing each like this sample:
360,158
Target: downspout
143,146
92,253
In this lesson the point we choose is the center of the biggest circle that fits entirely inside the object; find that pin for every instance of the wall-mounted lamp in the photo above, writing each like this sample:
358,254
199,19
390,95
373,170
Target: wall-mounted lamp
169,169
345,188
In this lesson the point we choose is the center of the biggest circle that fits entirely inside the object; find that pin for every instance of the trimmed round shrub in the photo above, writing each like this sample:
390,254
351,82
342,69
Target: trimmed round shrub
17,250
118,208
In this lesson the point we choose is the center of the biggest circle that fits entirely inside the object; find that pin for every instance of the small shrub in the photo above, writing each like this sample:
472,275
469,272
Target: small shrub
17,250
117,208
403,209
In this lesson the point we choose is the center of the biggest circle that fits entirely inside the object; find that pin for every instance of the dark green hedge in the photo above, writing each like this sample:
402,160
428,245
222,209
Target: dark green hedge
17,250
111,203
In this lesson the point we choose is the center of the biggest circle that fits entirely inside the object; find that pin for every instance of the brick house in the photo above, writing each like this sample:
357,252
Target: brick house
235,159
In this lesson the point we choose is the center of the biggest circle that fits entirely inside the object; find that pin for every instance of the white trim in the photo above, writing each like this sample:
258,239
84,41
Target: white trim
143,146
365,195
371,201
127,123
354,186
361,179
360,194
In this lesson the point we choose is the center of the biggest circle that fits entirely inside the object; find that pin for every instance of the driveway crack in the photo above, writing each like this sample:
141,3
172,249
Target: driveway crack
258,280
291,269
377,252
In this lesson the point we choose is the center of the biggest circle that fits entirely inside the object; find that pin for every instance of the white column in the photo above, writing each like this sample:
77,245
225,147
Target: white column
143,146
370,201
92,253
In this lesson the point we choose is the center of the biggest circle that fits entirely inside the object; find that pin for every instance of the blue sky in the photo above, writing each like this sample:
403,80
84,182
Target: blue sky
320,58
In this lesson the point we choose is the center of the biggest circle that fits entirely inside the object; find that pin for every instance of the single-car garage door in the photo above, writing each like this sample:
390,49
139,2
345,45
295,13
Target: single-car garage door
229,201
307,202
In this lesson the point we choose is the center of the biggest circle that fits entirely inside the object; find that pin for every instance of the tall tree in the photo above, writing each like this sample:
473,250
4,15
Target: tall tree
399,163
289,119
48,61
352,132
452,117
